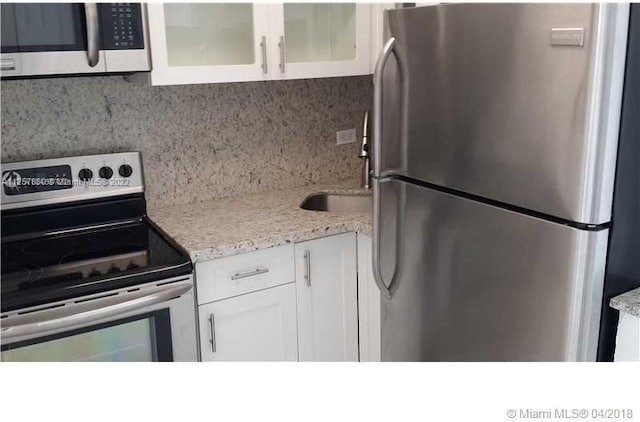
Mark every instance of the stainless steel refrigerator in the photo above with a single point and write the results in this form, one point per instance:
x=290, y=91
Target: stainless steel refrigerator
x=494, y=149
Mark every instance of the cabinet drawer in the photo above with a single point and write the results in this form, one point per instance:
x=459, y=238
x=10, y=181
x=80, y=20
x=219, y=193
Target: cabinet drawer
x=238, y=274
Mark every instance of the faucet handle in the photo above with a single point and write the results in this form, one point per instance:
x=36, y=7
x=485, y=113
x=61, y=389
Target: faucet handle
x=364, y=149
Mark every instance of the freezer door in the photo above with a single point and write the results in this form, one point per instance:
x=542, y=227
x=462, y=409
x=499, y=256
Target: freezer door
x=481, y=283
x=514, y=102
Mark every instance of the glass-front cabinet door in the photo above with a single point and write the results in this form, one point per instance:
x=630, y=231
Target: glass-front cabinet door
x=321, y=39
x=208, y=42
x=233, y=42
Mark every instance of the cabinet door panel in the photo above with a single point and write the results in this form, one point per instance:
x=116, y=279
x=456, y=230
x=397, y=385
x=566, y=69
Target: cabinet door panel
x=207, y=42
x=259, y=326
x=368, y=304
x=209, y=34
x=319, y=32
x=327, y=299
x=320, y=39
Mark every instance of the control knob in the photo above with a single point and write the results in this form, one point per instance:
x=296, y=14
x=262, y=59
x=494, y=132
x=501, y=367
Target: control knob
x=85, y=175
x=105, y=172
x=125, y=170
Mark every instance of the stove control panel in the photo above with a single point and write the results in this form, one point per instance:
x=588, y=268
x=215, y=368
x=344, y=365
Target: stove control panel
x=59, y=180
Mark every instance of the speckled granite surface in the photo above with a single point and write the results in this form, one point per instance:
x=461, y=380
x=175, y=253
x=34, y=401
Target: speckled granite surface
x=216, y=228
x=628, y=302
x=198, y=142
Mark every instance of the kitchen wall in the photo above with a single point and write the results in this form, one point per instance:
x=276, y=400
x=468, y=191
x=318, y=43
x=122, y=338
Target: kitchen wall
x=198, y=141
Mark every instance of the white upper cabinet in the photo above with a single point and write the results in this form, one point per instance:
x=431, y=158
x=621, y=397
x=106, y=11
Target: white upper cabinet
x=232, y=42
x=208, y=42
x=317, y=40
x=378, y=31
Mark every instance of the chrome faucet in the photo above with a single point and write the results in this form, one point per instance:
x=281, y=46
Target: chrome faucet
x=365, y=181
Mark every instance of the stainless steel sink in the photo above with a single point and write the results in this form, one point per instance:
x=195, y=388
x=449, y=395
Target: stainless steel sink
x=337, y=202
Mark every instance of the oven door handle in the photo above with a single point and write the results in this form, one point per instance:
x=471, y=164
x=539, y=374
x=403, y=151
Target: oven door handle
x=77, y=315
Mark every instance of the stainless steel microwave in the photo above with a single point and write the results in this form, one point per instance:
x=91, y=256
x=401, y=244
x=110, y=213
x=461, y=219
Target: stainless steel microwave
x=73, y=38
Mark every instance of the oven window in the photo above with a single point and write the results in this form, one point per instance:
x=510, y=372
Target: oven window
x=31, y=27
x=143, y=338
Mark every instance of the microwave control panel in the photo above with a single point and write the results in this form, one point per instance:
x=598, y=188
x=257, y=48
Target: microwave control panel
x=121, y=25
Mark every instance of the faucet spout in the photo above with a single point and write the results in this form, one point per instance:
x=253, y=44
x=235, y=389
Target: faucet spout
x=365, y=181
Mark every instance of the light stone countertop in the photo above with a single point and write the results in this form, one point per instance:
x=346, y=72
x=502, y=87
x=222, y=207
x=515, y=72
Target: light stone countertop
x=228, y=226
x=628, y=302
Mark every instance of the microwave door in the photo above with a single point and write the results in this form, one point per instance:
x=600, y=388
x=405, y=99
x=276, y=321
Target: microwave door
x=50, y=38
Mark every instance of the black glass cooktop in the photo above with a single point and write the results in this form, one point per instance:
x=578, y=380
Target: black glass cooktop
x=59, y=267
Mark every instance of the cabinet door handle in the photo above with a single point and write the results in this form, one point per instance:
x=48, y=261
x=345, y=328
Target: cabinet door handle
x=307, y=267
x=281, y=45
x=263, y=47
x=212, y=321
x=257, y=271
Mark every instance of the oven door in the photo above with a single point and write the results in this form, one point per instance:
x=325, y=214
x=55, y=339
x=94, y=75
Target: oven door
x=154, y=322
x=72, y=38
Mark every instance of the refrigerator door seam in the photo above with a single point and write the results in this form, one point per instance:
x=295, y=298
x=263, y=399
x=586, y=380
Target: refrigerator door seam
x=503, y=205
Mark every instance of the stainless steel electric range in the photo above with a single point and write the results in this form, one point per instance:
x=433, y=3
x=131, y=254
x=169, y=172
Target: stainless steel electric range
x=86, y=276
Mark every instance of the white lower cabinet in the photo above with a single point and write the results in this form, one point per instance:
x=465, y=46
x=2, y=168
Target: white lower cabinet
x=368, y=304
x=326, y=280
x=258, y=326
x=628, y=339
x=291, y=302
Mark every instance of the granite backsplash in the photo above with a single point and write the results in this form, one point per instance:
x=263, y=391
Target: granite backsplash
x=198, y=142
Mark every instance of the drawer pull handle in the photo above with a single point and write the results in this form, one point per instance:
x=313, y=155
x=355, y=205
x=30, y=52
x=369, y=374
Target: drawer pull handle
x=257, y=271
x=8, y=64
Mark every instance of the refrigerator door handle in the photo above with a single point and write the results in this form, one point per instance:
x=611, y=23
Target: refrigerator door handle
x=375, y=237
x=386, y=290
x=385, y=53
